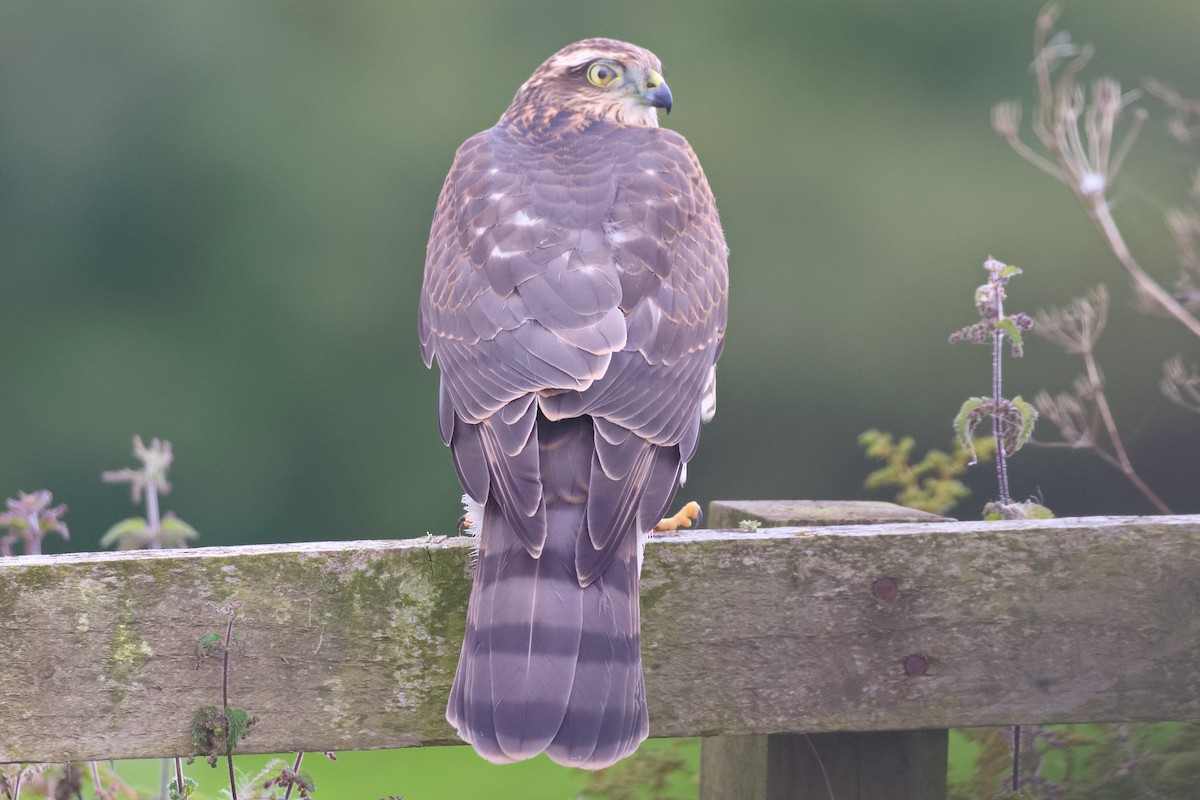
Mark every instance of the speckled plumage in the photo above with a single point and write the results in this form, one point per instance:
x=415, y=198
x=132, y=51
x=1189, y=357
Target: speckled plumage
x=575, y=301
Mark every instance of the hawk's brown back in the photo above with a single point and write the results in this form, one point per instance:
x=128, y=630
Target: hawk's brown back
x=558, y=245
x=575, y=300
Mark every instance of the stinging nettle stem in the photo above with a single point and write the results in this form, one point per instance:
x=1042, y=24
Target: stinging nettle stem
x=295, y=771
x=152, y=516
x=997, y=423
x=225, y=703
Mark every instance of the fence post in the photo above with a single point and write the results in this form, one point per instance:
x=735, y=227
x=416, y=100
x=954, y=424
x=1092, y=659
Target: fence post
x=899, y=765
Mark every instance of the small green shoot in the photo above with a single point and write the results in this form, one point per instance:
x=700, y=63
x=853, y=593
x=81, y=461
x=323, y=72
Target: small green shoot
x=174, y=792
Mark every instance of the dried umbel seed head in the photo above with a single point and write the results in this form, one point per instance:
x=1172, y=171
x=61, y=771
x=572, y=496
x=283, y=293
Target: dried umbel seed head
x=1075, y=327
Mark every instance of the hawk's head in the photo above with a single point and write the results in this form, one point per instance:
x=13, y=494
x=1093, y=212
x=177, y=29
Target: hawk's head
x=600, y=79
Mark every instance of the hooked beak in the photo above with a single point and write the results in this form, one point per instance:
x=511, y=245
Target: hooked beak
x=657, y=93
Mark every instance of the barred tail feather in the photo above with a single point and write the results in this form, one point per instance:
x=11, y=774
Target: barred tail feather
x=606, y=717
x=547, y=664
x=517, y=664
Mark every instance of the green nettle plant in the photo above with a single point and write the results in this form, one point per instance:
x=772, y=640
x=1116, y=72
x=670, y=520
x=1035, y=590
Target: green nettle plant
x=1012, y=420
x=216, y=730
x=933, y=484
x=150, y=480
x=28, y=519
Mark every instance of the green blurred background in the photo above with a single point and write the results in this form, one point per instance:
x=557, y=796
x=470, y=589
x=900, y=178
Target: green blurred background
x=213, y=218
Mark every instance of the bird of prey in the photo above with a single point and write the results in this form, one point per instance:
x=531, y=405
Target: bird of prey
x=575, y=301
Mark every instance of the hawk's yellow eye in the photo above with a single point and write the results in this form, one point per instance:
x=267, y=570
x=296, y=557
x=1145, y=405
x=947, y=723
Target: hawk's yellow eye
x=602, y=74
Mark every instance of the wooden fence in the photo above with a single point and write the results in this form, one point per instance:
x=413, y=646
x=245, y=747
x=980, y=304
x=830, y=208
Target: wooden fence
x=842, y=644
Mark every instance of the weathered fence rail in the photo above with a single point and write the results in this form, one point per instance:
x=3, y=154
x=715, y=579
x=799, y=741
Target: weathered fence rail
x=898, y=626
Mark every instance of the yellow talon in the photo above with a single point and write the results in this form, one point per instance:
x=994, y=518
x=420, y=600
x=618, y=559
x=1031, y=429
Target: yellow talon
x=683, y=519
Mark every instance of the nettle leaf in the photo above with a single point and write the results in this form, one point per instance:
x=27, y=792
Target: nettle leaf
x=176, y=532
x=1009, y=327
x=206, y=730
x=173, y=792
x=124, y=531
x=206, y=645
x=984, y=295
x=985, y=447
x=994, y=511
x=1009, y=271
x=966, y=420
x=215, y=732
x=306, y=782
x=1017, y=418
x=1028, y=416
x=239, y=726
x=1027, y=510
x=1036, y=510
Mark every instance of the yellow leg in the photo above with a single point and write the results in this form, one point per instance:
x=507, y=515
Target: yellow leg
x=683, y=519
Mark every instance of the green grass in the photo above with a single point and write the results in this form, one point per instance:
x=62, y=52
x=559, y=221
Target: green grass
x=430, y=773
x=456, y=773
